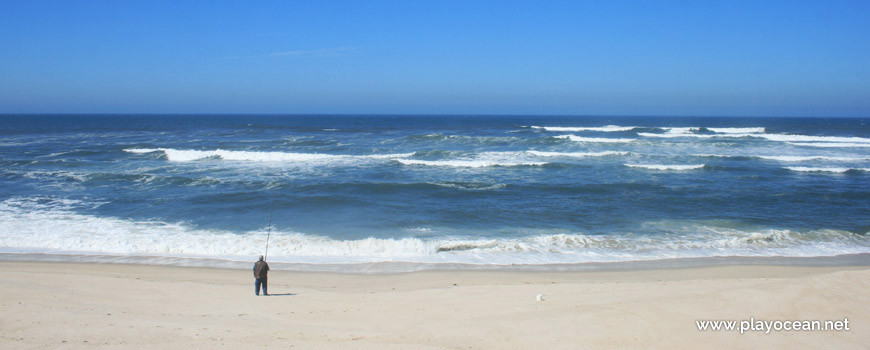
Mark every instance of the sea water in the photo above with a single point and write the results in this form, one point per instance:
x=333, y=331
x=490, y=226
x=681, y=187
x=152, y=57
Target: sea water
x=477, y=190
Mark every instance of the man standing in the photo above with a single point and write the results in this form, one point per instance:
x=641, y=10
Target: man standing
x=261, y=271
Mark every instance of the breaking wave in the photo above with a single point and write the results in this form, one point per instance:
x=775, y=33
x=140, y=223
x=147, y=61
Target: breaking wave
x=666, y=167
x=576, y=138
x=825, y=170
x=753, y=130
x=789, y=158
x=53, y=226
x=807, y=138
x=175, y=155
x=670, y=130
x=608, y=128
x=471, y=163
x=577, y=154
x=687, y=134
x=799, y=140
x=830, y=144
x=807, y=158
x=503, y=159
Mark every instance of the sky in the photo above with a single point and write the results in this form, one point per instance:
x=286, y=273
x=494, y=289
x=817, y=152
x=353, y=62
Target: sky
x=694, y=58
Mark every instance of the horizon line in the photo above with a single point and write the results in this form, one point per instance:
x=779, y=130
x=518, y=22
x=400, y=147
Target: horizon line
x=415, y=115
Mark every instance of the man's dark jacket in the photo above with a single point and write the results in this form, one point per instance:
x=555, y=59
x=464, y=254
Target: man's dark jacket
x=261, y=268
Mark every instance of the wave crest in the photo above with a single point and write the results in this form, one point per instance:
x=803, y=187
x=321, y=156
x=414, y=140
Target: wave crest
x=825, y=170
x=576, y=138
x=176, y=155
x=577, y=154
x=751, y=130
x=830, y=144
x=467, y=163
x=666, y=166
x=607, y=128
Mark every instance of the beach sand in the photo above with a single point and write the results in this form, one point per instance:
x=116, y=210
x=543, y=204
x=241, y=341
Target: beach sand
x=85, y=306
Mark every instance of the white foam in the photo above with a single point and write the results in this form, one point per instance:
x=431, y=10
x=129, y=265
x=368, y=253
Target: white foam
x=515, y=158
x=471, y=163
x=789, y=158
x=753, y=130
x=680, y=130
x=576, y=138
x=814, y=141
x=384, y=156
x=607, y=128
x=807, y=138
x=826, y=170
x=668, y=130
x=830, y=144
x=482, y=160
x=577, y=154
x=680, y=134
x=666, y=166
x=808, y=158
x=53, y=226
x=176, y=155
x=693, y=129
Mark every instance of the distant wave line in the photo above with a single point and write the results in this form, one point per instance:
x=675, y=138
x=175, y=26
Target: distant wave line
x=788, y=158
x=671, y=130
x=830, y=144
x=578, y=154
x=830, y=141
x=826, y=170
x=176, y=155
x=607, y=128
x=576, y=138
x=666, y=166
x=471, y=163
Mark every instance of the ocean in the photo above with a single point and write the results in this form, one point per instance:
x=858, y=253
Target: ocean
x=431, y=190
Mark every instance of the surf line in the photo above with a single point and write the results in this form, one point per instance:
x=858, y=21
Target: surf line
x=269, y=234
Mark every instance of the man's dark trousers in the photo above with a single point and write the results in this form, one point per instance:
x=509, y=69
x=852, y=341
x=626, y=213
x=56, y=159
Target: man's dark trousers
x=258, y=282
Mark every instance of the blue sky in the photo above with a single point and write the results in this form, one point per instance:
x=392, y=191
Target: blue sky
x=755, y=58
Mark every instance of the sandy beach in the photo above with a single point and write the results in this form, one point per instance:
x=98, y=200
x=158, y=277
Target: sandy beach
x=80, y=305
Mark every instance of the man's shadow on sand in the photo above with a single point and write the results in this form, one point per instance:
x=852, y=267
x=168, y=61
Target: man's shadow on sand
x=280, y=295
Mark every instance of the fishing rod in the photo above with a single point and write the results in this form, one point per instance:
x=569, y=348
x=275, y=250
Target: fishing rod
x=269, y=234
